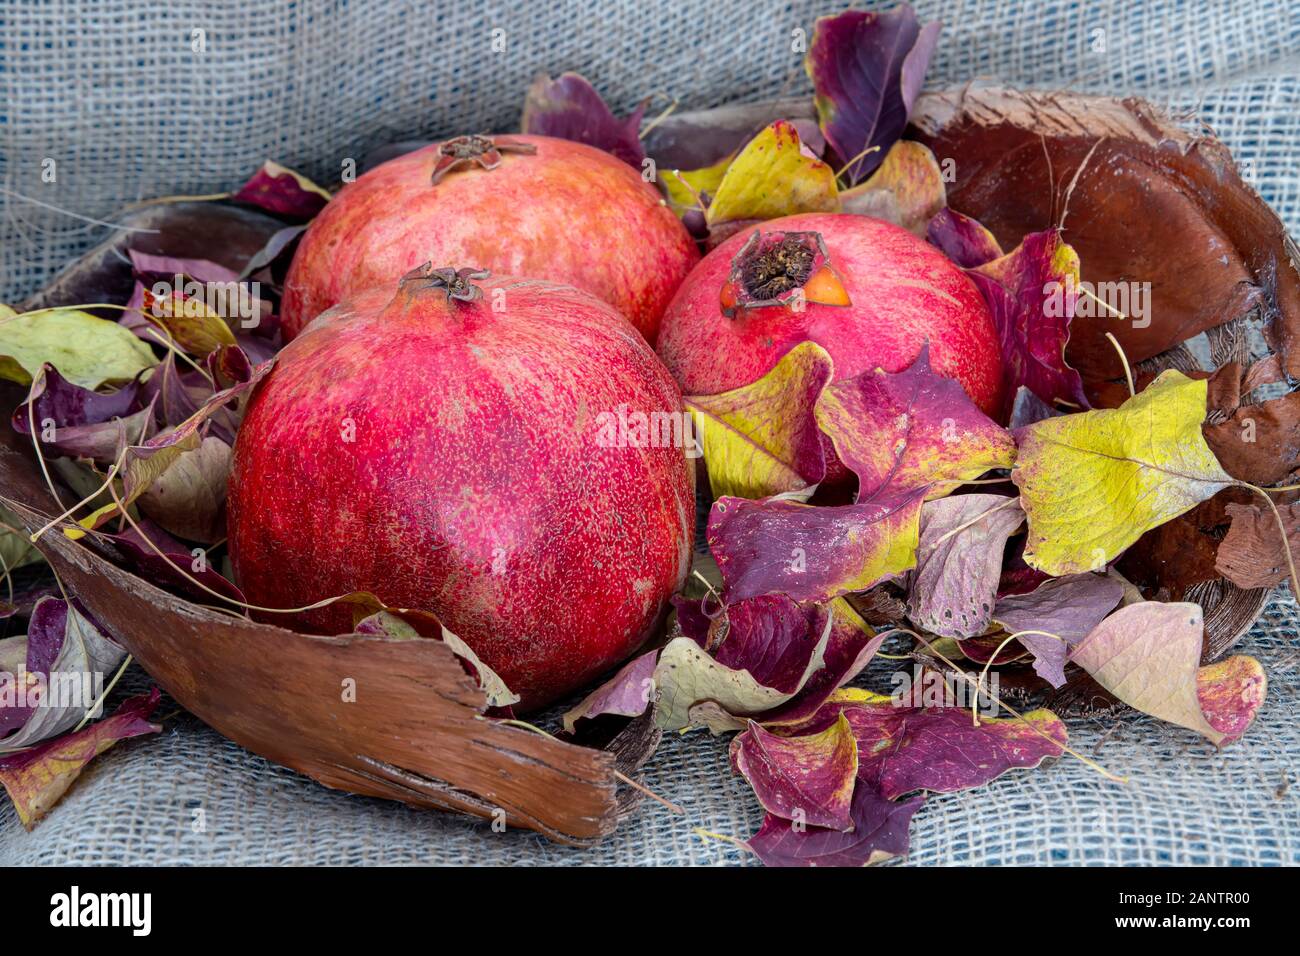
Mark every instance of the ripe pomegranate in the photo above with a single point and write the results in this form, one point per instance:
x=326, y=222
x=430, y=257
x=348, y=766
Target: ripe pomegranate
x=867, y=291
x=526, y=206
x=449, y=448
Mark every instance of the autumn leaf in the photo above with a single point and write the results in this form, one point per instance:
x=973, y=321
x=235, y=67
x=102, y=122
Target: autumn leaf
x=282, y=191
x=959, y=561
x=903, y=749
x=808, y=779
x=1068, y=607
x=1031, y=292
x=907, y=189
x=79, y=422
x=867, y=69
x=692, y=190
x=770, y=648
x=1252, y=554
x=762, y=439
x=775, y=175
x=962, y=239
x=811, y=553
x=1093, y=483
x=189, y=498
x=879, y=833
x=86, y=350
x=628, y=693
x=1230, y=693
x=190, y=324
x=569, y=107
x=37, y=778
x=1148, y=655
x=910, y=431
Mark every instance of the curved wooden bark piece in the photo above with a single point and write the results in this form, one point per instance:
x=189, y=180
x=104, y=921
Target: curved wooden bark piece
x=414, y=732
x=1152, y=203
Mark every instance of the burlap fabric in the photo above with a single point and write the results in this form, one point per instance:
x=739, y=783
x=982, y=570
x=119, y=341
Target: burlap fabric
x=118, y=95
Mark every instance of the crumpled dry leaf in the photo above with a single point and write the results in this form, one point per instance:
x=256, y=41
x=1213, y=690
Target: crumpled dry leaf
x=86, y=350
x=36, y=779
x=75, y=654
x=866, y=70
x=952, y=590
x=762, y=439
x=570, y=108
x=79, y=422
x=282, y=191
x=1069, y=607
x=770, y=648
x=807, y=779
x=1148, y=655
x=1252, y=554
x=1231, y=692
x=774, y=175
x=141, y=546
x=1092, y=483
x=907, y=189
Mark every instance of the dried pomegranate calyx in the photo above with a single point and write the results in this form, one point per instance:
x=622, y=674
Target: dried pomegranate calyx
x=781, y=268
x=454, y=283
x=483, y=151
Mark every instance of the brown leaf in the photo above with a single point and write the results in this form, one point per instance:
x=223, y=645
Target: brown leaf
x=1252, y=554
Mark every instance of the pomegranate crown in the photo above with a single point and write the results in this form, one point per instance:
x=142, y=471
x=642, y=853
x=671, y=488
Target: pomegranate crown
x=455, y=283
x=485, y=151
x=782, y=268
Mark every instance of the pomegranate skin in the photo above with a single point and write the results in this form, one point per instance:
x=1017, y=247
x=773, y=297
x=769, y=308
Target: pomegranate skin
x=569, y=213
x=902, y=290
x=475, y=485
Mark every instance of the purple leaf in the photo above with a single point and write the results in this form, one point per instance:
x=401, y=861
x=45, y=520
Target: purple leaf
x=570, y=108
x=79, y=422
x=880, y=831
x=808, y=779
x=159, y=571
x=959, y=561
x=628, y=693
x=1069, y=607
x=867, y=70
x=283, y=192
x=962, y=239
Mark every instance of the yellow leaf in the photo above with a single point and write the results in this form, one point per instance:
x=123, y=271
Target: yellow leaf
x=774, y=176
x=762, y=439
x=907, y=189
x=87, y=350
x=1093, y=483
x=195, y=328
x=687, y=188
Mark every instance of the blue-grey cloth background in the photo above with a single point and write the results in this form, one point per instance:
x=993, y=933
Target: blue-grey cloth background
x=135, y=99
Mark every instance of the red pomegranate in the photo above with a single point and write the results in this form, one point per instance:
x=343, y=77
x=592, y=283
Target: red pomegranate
x=525, y=206
x=463, y=447
x=867, y=291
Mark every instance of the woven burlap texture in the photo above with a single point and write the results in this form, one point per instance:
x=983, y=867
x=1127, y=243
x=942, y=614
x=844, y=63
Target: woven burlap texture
x=118, y=95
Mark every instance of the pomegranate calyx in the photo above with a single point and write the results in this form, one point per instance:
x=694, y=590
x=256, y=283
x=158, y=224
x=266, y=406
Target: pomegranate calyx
x=484, y=151
x=454, y=283
x=782, y=268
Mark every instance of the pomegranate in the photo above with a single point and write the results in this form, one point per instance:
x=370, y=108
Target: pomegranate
x=526, y=206
x=450, y=448
x=867, y=291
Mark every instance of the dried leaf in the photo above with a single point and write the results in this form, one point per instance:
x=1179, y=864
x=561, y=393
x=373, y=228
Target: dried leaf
x=866, y=70
x=283, y=192
x=907, y=189
x=142, y=550
x=628, y=693
x=36, y=779
x=1092, y=483
x=962, y=239
x=191, y=325
x=1230, y=693
x=1252, y=554
x=692, y=190
x=1032, y=292
x=1069, y=607
x=774, y=176
x=86, y=350
x=880, y=832
x=762, y=439
x=570, y=108
x=1147, y=655
x=808, y=779
x=952, y=590
x=811, y=553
